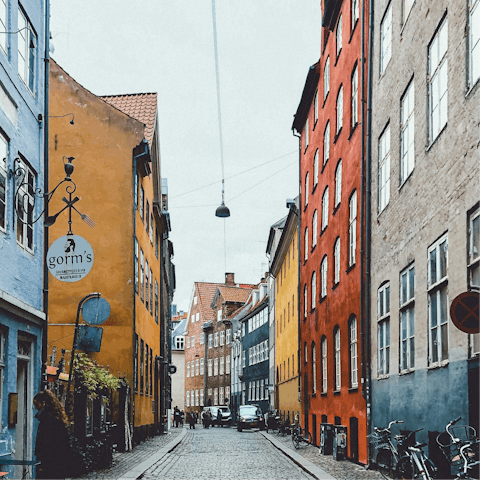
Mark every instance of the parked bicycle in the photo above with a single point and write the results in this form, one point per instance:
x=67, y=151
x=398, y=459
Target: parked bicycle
x=300, y=436
x=387, y=454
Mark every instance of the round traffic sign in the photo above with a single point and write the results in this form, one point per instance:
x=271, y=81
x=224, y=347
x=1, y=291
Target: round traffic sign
x=464, y=312
x=95, y=310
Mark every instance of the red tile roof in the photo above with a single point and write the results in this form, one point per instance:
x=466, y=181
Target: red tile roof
x=206, y=291
x=141, y=106
x=235, y=294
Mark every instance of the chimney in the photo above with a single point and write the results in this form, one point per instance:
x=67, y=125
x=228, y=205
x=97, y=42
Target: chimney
x=230, y=279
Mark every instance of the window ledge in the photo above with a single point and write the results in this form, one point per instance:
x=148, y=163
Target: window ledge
x=336, y=285
x=427, y=149
x=314, y=188
x=406, y=372
x=437, y=365
x=337, y=392
x=314, y=124
x=323, y=394
x=322, y=299
x=437, y=285
x=323, y=166
x=338, y=56
x=325, y=99
x=337, y=135
x=353, y=389
x=352, y=131
x=472, y=88
x=323, y=230
x=336, y=208
x=350, y=268
x=305, y=208
x=383, y=376
x=314, y=395
x=313, y=248
x=353, y=30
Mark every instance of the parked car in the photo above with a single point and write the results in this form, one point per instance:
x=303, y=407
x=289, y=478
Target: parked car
x=225, y=416
x=250, y=416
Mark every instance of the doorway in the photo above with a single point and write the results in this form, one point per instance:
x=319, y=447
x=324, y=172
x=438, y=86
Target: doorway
x=23, y=428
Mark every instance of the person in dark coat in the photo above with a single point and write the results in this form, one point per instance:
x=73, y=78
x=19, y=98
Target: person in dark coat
x=52, y=446
x=176, y=416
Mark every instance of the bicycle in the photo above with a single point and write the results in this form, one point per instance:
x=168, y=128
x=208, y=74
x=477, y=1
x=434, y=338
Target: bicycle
x=469, y=454
x=300, y=436
x=387, y=455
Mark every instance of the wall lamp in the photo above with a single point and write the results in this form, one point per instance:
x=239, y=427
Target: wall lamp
x=72, y=121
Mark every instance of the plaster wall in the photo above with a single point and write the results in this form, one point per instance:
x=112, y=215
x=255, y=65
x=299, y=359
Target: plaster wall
x=178, y=379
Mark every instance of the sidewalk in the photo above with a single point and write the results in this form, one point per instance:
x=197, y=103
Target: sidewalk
x=125, y=465
x=323, y=467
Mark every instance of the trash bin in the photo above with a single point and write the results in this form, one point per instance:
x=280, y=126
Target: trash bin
x=326, y=438
x=339, y=442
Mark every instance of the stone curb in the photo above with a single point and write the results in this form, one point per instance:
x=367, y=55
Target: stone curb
x=139, y=469
x=301, y=461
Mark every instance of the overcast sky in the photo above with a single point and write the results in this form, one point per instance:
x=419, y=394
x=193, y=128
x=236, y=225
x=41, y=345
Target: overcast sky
x=265, y=48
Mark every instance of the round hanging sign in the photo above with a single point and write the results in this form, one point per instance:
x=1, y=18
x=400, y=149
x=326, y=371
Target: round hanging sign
x=70, y=258
x=96, y=311
x=464, y=312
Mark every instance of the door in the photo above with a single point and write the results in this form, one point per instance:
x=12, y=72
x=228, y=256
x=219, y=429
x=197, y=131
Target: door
x=306, y=400
x=23, y=428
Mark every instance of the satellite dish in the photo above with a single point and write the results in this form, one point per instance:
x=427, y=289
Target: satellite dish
x=95, y=310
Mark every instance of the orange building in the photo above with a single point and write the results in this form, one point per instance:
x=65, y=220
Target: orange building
x=115, y=143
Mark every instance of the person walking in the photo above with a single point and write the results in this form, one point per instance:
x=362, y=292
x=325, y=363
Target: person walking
x=52, y=446
x=176, y=416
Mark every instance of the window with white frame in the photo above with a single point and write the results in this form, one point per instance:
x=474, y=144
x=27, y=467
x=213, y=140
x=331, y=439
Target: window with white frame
x=314, y=229
x=338, y=184
x=243, y=359
x=215, y=339
x=202, y=338
x=437, y=80
x=27, y=46
x=215, y=396
x=215, y=367
x=222, y=365
x=142, y=276
x=221, y=399
x=353, y=353
x=3, y=24
x=354, y=97
x=474, y=42
x=315, y=108
x=197, y=399
x=187, y=398
x=307, y=187
x=324, y=275
x=249, y=390
x=314, y=369
x=326, y=78
x=339, y=110
x=306, y=243
x=384, y=169
x=315, y=169
x=188, y=342
x=192, y=318
x=338, y=35
x=326, y=144
x=227, y=365
x=355, y=12
x=192, y=343
x=188, y=369
x=314, y=289
x=474, y=249
x=227, y=394
x=407, y=6
x=3, y=190
x=179, y=342
x=195, y=300
x=25, y=205
x=197, y=367
x=228, y=336
x=202, y=401
x=197, y=317
x=219, y=315
x=407, y=135
x=209, y=367
x=266, y=349
x=324, y=365
x=352, y=229
x=336, y=261
x=383, y=314
x=202, y=366
x=305, y=301
x=306, y=134
x=337, y=364
x=438, y=300
x=210, y=340
x=325, y=209
x=147, y=285
x=407, y=318
x=222, y=338
x=386, y=39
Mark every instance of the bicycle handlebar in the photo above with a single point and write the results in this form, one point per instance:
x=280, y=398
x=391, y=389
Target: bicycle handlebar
x=453, y=422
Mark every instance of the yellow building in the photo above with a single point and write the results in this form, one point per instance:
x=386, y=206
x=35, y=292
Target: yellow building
x=284, y=268
x=117, y=173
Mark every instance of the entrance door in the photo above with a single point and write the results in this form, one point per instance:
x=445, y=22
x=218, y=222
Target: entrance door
x=306, y=400
x=23, y=429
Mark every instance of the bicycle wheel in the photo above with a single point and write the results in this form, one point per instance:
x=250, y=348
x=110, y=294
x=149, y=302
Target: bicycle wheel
x=404, y=469
x=295, y=440
x=431, y=468
x=308, y=437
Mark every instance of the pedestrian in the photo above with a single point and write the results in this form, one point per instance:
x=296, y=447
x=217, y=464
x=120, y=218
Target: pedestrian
x=182, y=417
x=191, y=420
x=176, y=416
x=52, y=446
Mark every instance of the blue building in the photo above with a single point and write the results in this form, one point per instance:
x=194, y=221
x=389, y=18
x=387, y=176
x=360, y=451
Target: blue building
x=255, y=366
x=23, y=50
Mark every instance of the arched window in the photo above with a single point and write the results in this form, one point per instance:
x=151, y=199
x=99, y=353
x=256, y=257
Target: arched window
x=336, y=261
x=306, y=243
x=338, y=35
x=305, y=302
x=314, y=368
x=352, y=229
x=314, y=289
x=323, y=272
x=307, y=184
x=337, y=364
x=325, y=209
x=326, y=144
x=353, y=352
x=314, y=229
x=338, y=183
x=324, y=365
x=315, y=111
x=326, y=78
x=339, y=110
x=315, y=169
x=305, y=358
x=354, y=98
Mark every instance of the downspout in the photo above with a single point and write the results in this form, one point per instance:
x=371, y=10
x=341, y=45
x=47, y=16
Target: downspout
x=45, y=200
x=134, y=343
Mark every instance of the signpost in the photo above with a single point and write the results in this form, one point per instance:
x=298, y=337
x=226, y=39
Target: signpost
x=464, y=312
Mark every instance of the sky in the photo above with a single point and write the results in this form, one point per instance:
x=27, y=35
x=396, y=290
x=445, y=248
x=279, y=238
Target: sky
x=265, y=48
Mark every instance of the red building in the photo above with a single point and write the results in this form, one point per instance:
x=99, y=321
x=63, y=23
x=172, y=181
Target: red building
x=330, y=124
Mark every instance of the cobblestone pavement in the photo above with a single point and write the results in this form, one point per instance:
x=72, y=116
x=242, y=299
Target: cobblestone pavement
x=224, y=453
x=341, y=470
x=124, y=462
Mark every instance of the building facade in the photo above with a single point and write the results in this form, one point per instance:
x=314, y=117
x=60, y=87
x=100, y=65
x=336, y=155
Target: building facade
x=179, y=323
x=329, y=121
x=425, y=105
x=23, y=123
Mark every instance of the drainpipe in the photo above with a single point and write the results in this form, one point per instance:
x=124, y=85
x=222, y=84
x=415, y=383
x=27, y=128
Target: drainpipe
x=45, y=201
x=134, y=343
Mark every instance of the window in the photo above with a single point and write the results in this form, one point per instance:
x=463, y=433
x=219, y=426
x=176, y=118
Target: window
x=135, y=262
x=215, y=396
x=336, y=261
x=326, y=79
x=179, y=342
x=229, y=337
x=202, y=338
x=354, y=96
x=305, y=302
x=222, y=338
x=305, y=358
x=192, y=317
x=222, y=365
x=209, y=367
x=210, y=340
x=437, y=56
x=384, y=169
x=326, y=144
x=196, y=398
x=407, y=318
x=3, y=176
x=338, y=183
x=407, y=6
x=325, y=209
x=352, y=229
x=187, y=399
x=27, y=44
x=315, y=109
x=156, y=302
x=151, y=292
x=188, y=342
x=386, y=39
x=25, y=205
x=202, y=366
x=314, y=229
x=197, y=367
x=215, y=367
x=193, y=341
x=142, y=202
x=227, y=365
x=265, y=349
x=147, y=217
x=2, y=364
x=243, y=359
x=188, y=369
x=314, y=289
x=307, y=186
x=219, y=316
x=339, y=110
x=306, y=134
x=338, y=36
x=3, y=26
x=142, y=275
x=221, y=399
x=323, y=273
x=355, y=12
x=438, y=300
x=353, y=353
x=215, y=339
x=324, y=365
x=474, y=42
x=383, y=312
x=201, y=397
x=306, y=243
x=315, y=169
x=407, y=133
x=147, y=285
x=474, y=249
x=157, y=239
x=314, y=369
x=151, y=227
x=338, y=373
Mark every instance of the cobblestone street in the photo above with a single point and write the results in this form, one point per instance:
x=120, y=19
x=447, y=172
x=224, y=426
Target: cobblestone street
x=224, y=453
